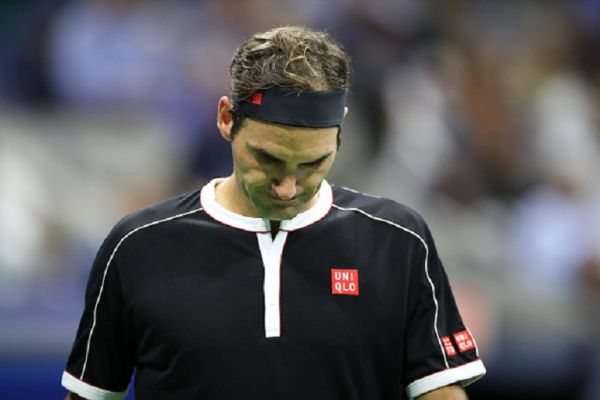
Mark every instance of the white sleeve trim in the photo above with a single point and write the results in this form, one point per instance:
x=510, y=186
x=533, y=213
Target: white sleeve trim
x=464, y=374
x=88, y=391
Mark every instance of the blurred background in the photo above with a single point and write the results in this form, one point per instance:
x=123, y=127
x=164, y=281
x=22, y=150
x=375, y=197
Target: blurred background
x=482, y=115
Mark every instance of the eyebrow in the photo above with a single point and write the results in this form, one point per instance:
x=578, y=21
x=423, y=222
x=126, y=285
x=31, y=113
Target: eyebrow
x=266, y=154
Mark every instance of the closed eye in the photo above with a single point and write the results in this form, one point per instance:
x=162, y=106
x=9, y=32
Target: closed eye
x=267, y=158
x=316, y=162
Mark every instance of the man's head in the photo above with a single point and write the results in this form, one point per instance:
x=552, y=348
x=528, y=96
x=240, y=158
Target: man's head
x=292, y=57
x=283, y=149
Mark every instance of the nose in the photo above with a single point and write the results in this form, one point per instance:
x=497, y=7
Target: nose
x=285, y=188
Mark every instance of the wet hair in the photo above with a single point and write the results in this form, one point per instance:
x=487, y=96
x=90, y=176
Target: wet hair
x=289, y=56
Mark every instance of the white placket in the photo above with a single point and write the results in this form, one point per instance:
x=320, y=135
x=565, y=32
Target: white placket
x=271, y=251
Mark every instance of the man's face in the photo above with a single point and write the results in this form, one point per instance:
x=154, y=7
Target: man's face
x=280, y=168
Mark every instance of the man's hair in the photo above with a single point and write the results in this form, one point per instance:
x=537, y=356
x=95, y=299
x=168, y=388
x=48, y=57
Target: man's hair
x=290, y=56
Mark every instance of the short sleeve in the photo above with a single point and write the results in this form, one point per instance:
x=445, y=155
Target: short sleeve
x=440, y=350
x=101, y=361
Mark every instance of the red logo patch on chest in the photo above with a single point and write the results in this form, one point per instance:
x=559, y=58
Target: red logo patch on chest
x=344, y=281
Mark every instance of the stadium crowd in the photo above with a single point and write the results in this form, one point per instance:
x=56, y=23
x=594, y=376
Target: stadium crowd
x=482, y=115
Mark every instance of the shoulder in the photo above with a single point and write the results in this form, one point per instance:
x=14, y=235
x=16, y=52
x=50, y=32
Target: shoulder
x=379, y=210
x=167, y=211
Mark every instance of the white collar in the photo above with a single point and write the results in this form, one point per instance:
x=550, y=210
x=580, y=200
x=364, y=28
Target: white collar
x=209, y=203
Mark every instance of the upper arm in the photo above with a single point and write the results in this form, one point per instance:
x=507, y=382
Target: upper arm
x=440, y=350
x=452, y=392
x=101, y=361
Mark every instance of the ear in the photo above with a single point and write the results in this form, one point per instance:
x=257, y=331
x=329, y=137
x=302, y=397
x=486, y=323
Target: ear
x=224, y=117
x=345, y=111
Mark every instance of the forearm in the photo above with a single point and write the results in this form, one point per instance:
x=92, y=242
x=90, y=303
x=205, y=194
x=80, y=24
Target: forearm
x=452, y=392
x=73, y=396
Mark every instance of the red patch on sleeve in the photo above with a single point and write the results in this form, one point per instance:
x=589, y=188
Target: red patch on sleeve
x=464, y=341
x=448, y=346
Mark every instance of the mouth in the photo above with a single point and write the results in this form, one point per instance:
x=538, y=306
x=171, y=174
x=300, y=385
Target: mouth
x=277, y=200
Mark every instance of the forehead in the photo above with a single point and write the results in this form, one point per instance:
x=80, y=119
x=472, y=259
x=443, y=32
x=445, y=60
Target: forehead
x=288, y=141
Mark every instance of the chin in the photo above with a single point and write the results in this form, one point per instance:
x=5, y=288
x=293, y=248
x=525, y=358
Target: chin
x=282, y=214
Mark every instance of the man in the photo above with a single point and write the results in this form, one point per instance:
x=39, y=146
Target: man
x=270, y=283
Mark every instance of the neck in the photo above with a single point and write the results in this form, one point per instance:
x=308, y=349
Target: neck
x=227, y=191
x=230, y=196
x=274, y=227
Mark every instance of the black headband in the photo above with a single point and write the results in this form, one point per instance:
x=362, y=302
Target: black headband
x=289, y=106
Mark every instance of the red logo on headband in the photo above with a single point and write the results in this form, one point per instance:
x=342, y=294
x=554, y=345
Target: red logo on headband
x=256, y=98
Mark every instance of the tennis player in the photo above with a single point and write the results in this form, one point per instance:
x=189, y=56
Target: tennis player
x=272, y=283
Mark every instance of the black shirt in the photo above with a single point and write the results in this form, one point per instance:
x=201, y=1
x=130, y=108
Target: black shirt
x=348, y=301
